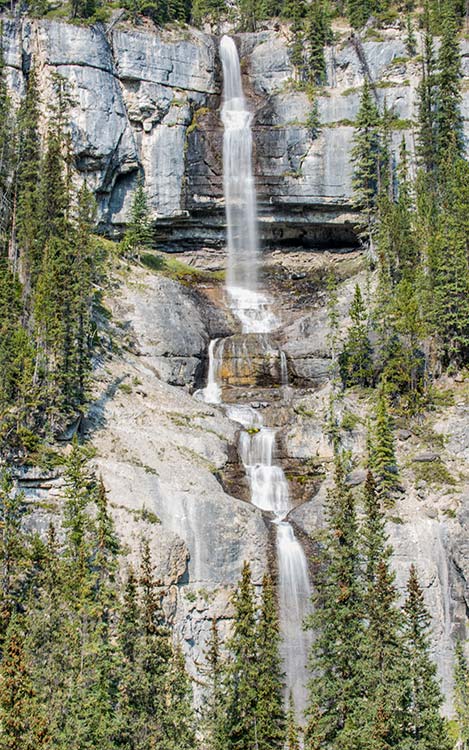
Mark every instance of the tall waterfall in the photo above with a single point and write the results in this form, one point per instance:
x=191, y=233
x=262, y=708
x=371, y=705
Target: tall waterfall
x=257, y=444
x=250, y=306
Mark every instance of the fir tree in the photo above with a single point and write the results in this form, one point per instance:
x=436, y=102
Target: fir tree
x=425, y=728
x=358, y=12
x=14, y=554
x=427, y=133
x=293, y=738
x=366, y=153
x=449, y=119
x=214, y=713
x=28, y=180
x=270, y=716
x=335, y=688
x=380, y=715
x=22, y=719
x=318, y=33
x=356, y=364
x=243, y=669
x=383, y=459
x=139, y=233
x=461, y=695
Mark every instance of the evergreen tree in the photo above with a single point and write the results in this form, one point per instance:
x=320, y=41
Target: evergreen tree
x=461, y=695
x=448, y=266
x=366, y=154
x=383, y=458
x=410, y=40
x=270, y=716
x=425, y=728
x=214, y=713
x=14, y=554
x=381, y=712
x=449, y=119
x=23, y=723
x=318, y=33
x=293, y=739
x=243, y=669
x=139, y=233
x=358, y=12
x=427, y=133
x=296, y=11
x=335, y=688
x=28, y=227
x=356, y=366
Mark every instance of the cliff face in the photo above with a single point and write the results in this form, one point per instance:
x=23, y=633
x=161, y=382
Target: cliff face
x=151, y=99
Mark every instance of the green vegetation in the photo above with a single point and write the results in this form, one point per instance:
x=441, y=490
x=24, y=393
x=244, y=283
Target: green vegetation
x=381, y=689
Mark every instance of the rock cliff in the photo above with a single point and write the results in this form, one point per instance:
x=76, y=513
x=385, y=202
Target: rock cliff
x=146, y=99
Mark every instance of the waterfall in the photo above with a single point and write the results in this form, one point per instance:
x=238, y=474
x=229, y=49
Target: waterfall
x=269, y=492
x=211, y=394
x=294, y=593
x=257, y=443
x=250, y=306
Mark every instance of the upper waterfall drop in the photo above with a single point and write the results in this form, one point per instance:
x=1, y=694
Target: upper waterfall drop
x=250, y=306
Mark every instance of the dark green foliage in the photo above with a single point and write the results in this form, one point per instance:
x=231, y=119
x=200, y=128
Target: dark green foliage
x=318, y=34
x=139, y=235
x=366, y=152
x=356, y=366
x=382, y=457
x=270, y=716
x=293, y=739
x=243, y=669
x=449, y=119
x=338, y=625
x=425, y=728
x=79, y=668
x=22, y=719
x=28, y=181
x=448, y=265
x=358, y=12
x=14, y=552
x=381, y=715
x=214, y=712
x=427, y=124
x=461, y=695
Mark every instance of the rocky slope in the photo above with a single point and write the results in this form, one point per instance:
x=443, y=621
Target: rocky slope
x=150, y=99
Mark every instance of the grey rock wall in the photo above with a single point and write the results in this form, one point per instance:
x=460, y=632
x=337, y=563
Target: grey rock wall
x=149, y=100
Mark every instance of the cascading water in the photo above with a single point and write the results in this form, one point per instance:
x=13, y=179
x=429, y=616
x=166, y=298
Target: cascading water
x=269, y=492
x=257, y=444
x=251, y=307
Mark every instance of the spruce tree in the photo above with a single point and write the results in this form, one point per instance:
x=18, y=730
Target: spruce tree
x=139, y=233
x=270, y=715
x=318, y=33
x=425, y=728
x=293, y=738
x=335, y=688
x=28, y=180
x=14, y=553
x=22, y=720
x=383, y=458
x=356, y=366
x=461, y=695
x=358, y=12
x=380, y=714
x=366, y=154
x=449, y=119
x=215, y=695
x=243, y=669
x=427, y=131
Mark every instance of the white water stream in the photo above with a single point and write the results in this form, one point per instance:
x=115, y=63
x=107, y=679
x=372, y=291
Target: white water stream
x=257, y=443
